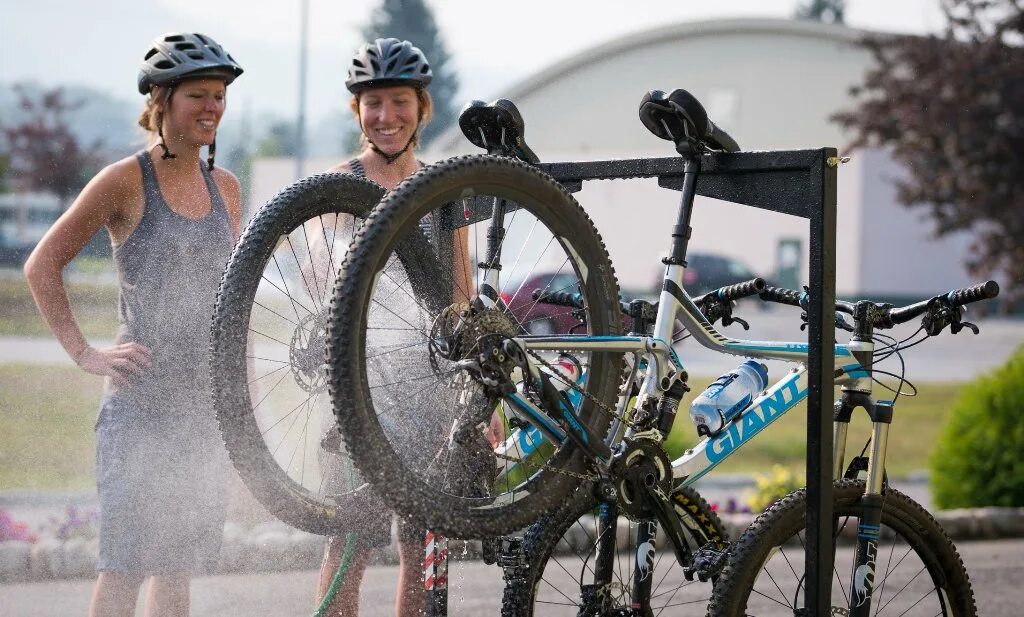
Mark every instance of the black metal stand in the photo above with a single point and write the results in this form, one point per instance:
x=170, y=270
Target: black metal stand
x=801, y=183
x=796, y=182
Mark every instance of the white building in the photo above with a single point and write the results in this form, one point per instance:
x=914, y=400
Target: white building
x=772, y=84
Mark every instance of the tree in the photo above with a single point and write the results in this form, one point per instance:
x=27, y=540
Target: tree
x=413, y=21
x=827, y=11
x=950, y=108
x=45, y=155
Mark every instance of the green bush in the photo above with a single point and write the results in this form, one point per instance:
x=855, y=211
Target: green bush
x=774, y=486
x=979, y=457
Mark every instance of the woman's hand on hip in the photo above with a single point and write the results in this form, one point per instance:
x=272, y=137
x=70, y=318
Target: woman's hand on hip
x=119, y=362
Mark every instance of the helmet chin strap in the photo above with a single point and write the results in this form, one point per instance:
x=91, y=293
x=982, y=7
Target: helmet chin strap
x=390, y=158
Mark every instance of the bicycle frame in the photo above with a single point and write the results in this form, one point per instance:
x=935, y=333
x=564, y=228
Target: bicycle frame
x=662, y=363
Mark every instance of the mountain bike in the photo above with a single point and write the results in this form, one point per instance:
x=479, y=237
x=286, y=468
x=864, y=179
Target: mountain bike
x=558, y=565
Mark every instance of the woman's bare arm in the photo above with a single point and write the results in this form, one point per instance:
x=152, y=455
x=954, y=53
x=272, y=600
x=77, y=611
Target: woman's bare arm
x=101, y=203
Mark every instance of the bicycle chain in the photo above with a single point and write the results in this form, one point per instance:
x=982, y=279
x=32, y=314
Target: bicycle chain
x=602, y=406
x=557, y=374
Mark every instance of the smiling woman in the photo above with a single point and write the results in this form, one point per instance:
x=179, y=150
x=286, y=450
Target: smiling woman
x=160, y=468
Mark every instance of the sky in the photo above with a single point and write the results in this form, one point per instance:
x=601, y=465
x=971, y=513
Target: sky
x=99, y=43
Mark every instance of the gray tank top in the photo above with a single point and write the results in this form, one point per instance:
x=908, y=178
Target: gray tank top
x=169, y=270
x=360, y=172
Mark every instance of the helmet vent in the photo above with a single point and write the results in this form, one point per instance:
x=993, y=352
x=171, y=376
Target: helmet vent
x=184, y=46
x=391, y=65
x=175, y=38
x=150, y=54
x=164, y=64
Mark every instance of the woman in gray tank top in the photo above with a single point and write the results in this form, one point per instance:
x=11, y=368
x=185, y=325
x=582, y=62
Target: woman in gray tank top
x=172, y=218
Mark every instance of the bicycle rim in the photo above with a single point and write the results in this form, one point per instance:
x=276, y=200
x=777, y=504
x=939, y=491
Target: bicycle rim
x=397, y=349
x=269, y=342
x=917, y=570
x=564, y=555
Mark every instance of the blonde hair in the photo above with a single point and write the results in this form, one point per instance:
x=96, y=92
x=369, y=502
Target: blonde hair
x=152, y=116
x=426, y=111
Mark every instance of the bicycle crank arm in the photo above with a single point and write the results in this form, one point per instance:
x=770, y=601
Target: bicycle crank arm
x=660, y=504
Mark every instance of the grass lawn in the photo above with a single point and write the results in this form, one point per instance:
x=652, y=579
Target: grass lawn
x=916, y=424
x=94, y=305
x=47, y=440
x=47, y=415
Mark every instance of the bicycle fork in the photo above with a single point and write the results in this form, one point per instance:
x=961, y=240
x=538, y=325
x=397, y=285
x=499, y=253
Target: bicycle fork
x=864, y=564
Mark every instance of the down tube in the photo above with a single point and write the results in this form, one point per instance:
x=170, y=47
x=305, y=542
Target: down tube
x=767, y=408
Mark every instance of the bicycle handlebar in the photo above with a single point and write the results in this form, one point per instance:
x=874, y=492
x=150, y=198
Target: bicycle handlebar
x=955, y=298
x=559, y=298
x=722, y=295
x=887, y=316
x=735, y=292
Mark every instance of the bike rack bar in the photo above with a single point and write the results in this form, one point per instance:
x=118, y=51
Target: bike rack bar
x=796, y=182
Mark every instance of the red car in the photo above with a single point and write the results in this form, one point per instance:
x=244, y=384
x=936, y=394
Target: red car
x=535, y=317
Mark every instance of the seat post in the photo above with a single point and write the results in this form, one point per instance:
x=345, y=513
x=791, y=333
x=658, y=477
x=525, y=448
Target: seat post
x=681, y=230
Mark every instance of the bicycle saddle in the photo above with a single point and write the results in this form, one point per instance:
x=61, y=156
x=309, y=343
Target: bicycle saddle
x=679, y=117
x=496, y=127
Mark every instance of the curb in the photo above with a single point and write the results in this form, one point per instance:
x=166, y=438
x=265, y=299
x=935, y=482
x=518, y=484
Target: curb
x=275, y=547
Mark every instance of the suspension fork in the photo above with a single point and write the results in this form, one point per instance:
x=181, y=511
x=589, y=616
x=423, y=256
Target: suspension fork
x=864, y=564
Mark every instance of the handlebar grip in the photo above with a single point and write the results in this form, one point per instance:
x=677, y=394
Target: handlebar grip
x=741, y=290
x=982, y=291
x=782, y=296
x=559, y=298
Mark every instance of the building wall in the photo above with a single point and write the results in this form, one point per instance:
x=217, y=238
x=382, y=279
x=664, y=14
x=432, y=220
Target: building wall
x=772, y=84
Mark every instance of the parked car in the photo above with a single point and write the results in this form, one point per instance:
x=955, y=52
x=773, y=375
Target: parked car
x=706, y=272
x=538, y=318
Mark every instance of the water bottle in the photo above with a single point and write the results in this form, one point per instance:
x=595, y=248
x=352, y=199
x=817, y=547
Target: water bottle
x=727, y=396
x=526, y=449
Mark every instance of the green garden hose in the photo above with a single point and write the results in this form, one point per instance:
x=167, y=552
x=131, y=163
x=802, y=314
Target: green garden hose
x=339, y=576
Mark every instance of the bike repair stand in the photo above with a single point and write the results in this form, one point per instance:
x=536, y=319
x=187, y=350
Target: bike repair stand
x=796, y=182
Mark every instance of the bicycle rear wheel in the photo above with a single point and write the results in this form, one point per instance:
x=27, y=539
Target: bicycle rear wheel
x=561, y=552
x=268, y=344
x=917, y=570
x=404, y=438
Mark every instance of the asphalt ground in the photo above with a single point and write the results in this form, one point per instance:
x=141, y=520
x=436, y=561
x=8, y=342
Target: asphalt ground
x=996, y=568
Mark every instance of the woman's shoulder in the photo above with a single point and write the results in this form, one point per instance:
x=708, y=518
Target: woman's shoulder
x=226, y=179
x=343, y=167
x=122, y=171
x=121, y=178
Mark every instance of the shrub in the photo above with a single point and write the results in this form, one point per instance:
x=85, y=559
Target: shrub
x=774, y=486
x=979, y=457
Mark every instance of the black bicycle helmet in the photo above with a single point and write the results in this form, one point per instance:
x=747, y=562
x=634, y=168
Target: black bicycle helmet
x=175, y=57
x=388, y=62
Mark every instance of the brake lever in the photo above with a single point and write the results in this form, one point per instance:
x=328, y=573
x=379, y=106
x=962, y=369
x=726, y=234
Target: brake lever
x=956, y=327
x=728, y=320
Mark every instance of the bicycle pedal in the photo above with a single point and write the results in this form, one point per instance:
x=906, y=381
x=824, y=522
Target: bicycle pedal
x=707, y=563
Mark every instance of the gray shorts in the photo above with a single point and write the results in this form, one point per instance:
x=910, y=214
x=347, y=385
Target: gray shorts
x=162, y=488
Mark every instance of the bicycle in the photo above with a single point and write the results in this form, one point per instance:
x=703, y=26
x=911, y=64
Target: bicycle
x=530, y=582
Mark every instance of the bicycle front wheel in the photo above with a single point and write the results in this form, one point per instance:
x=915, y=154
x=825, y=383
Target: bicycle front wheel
x=268, y=342
x=917, y=569
x=404, y=432
x=561, y=557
